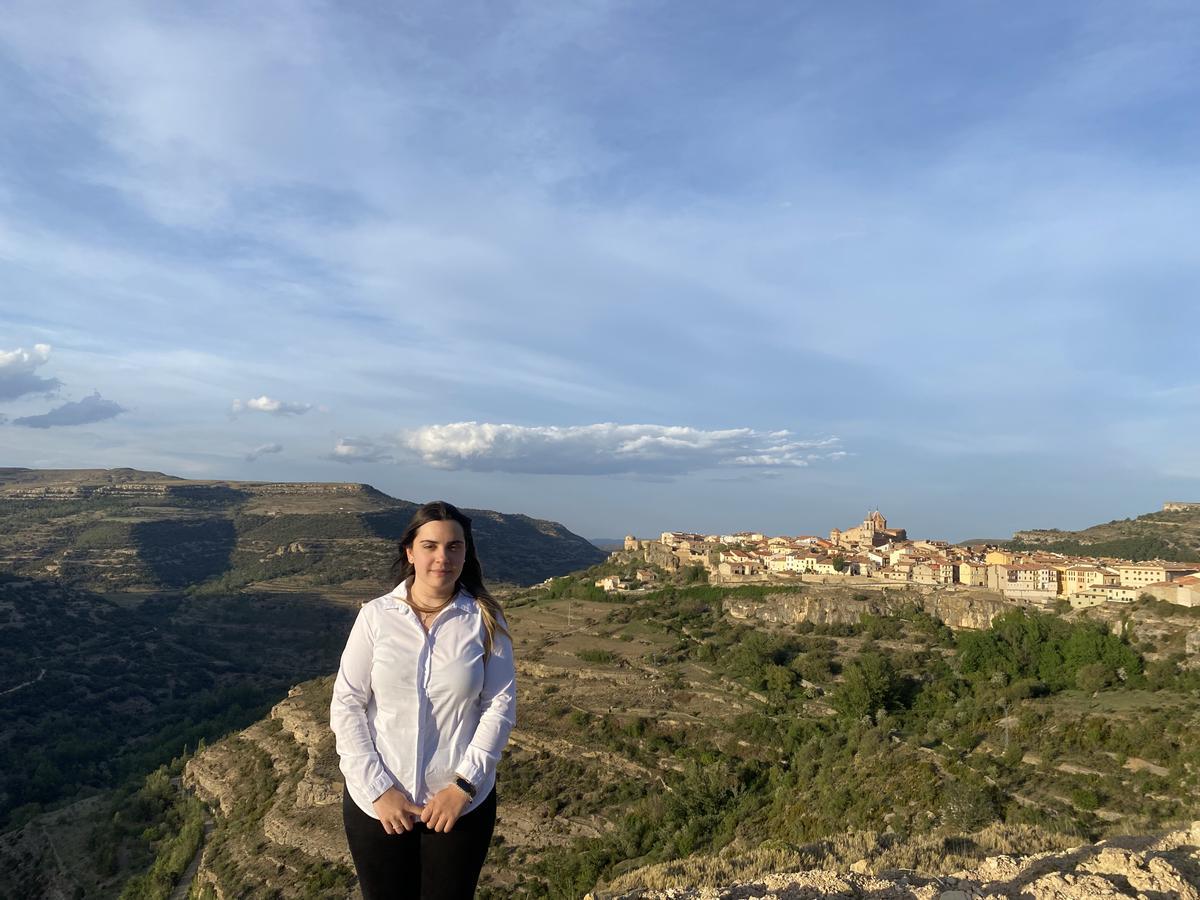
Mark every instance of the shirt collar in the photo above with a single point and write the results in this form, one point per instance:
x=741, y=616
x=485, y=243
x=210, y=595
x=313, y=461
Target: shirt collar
x=395, y=599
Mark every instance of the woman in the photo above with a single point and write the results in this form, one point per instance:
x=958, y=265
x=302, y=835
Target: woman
x=422, y=707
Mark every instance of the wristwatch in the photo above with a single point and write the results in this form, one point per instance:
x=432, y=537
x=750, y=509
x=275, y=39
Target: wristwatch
x=465, y=786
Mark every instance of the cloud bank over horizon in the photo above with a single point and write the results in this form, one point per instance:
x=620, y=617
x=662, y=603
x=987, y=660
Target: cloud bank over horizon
x=608, y=448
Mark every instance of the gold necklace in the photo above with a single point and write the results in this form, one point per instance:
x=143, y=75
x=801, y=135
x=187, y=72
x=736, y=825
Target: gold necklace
x=426, y=610
x=423, y=611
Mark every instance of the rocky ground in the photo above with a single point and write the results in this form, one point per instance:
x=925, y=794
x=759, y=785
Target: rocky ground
x=1163, y=868
x=273, y=787
x=276, y=790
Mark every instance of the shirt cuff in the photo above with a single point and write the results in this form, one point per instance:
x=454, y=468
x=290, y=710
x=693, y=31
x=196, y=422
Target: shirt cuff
x=471, y=770
x=379, y=787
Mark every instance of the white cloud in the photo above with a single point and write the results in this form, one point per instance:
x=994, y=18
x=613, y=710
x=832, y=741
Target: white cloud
x=80, y=412
x=270, y=405
x=352, y=450
x=17, y=378
x=607, y=448
x=263, y=450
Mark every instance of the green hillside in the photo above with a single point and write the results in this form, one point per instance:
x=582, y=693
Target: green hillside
x=1169, y=535
x=95, y=692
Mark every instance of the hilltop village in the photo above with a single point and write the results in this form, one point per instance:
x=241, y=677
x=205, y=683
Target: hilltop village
x=875, y=553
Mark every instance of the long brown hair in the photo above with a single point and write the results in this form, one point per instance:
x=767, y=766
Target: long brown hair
x=471, y=579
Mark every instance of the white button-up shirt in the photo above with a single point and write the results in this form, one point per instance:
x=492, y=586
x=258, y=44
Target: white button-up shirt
x=411, y=710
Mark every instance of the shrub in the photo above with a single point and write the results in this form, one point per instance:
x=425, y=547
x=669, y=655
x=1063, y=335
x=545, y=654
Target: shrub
x=1094, y=677
x=594, y=655
x=1085, y=798
x=969, y=805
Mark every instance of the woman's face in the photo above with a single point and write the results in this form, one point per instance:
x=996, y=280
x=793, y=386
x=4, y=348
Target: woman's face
x=438, y=553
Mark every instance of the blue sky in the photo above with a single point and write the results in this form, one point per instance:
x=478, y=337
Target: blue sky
x=630, y=266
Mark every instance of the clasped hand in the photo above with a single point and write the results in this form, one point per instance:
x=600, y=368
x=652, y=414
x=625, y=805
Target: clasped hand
x=398, y=814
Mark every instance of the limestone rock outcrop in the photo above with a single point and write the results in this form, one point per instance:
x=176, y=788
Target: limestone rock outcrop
x=957, y=610
x=1138, y=867
x=278, y=792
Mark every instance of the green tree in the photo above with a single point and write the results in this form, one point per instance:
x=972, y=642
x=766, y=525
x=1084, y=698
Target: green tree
x=779, y=680
x=869, y=683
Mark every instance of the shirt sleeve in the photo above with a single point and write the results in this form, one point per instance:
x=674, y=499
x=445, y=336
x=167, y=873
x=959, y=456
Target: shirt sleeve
x=498, y=712
x=358, y=758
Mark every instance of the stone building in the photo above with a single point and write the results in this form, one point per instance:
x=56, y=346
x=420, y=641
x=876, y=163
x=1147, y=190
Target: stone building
x=1024, y=581
x=873, y=532
x=1182, y=591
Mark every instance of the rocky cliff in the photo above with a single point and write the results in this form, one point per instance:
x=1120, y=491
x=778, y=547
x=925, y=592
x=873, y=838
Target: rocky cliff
x=1161, y=630
x=958, y=609
x=276, y=791
x=1148, y=868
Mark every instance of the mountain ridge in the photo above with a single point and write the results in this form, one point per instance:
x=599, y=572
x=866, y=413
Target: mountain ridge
x=1168, y=534
x=124, y=529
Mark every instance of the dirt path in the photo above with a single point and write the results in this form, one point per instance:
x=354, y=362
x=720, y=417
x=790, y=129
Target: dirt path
x=62, y=867
x=41, y=675
x=189, y=874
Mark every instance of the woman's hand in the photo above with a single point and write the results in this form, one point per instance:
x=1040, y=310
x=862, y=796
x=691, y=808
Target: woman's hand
x=443, y=810
x=396, y=812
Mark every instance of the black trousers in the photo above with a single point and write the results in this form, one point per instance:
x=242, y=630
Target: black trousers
x=420, y=864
